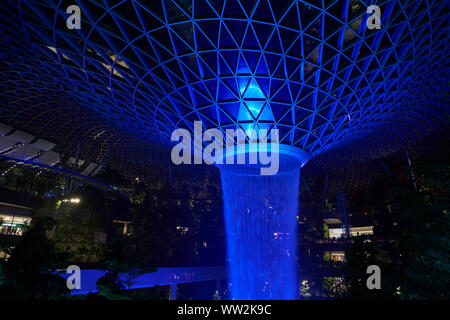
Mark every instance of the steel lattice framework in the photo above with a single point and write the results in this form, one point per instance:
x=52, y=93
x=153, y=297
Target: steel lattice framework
x=137, y=70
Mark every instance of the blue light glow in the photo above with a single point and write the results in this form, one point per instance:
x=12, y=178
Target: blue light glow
x=260, y=218
x=134, y=73
x=254, y=107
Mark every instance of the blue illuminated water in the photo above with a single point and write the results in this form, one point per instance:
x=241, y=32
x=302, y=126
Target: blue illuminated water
x=260, y=220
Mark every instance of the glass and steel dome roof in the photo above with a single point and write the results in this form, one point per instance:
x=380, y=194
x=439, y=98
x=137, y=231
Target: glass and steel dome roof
x=136, y=71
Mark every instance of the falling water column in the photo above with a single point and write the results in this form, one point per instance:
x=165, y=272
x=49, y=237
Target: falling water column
x=261, y=229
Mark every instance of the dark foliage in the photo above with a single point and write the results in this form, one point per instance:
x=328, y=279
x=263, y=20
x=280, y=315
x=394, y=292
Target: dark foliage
x=27, y=274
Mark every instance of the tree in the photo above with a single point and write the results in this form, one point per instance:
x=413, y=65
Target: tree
x=27, y=273
x=415, y=231
x=424, y=232
x=79, y=226
x=362, y=254
x=125, y=259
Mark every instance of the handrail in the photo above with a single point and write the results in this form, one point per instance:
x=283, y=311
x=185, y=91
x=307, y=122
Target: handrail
x=161, y=277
